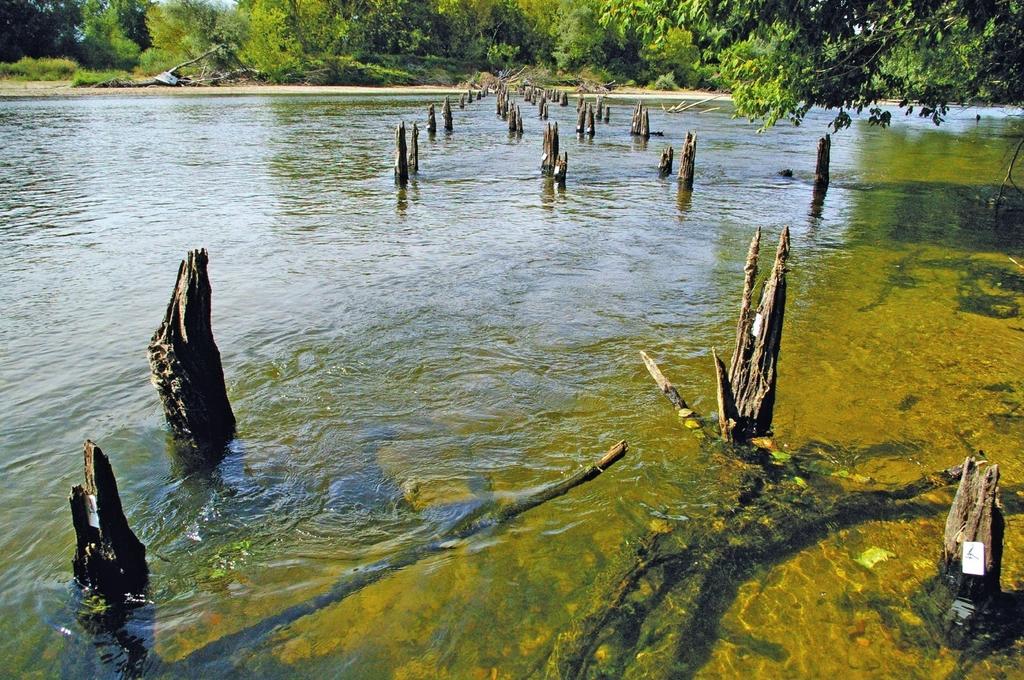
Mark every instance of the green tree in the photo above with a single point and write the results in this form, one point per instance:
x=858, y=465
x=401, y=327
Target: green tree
x=104, y=42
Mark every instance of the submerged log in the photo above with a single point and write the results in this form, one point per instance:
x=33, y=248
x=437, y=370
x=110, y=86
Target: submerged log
x=446, y=113
x=665, y=165
x=677, y=585
x=401, y=156
x=109, y=558
x=185, y=364
x=413, y=163
x=687, y=162
x=431, y=120
x=487, y=516
x=821, y=171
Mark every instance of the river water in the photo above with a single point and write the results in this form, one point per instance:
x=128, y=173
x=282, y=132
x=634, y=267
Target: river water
x=393, y=356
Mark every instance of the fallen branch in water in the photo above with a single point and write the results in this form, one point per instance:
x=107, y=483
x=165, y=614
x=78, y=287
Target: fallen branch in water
x=488, y=515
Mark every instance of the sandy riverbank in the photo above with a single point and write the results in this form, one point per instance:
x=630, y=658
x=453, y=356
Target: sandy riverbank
x=12, y=88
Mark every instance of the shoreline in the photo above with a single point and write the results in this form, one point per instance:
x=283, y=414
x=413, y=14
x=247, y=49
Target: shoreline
x=14, y=89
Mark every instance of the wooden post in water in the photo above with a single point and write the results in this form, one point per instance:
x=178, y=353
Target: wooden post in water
x=550, y=155
x=634, y=122
x=462, y=101
x=600, y=107
x=185, y=364
x=590, y=121
x=564, y=99
x=109, y=558
x=607, y=113
x=431, y=120
x=665, y=166
x=581, y=121
x=687, y=162
x=821, y=174
x=413, y=164
x=446, y=113
x=645, y=124
x=401, y=156
x=975, y=517
x=579, y=103
x=544, y=115
x=561, y=169
x=746, y=395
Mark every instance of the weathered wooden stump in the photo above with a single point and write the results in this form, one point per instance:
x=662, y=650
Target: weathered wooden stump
x=446, y=113
x=413, y=163
x=972, y=545
x=687, y=162
x=581, y=120
x=590, y=121
x=821, y=174
x=462, y=101
x=645, y=124
x=550, y=150
x=431, y=120
x=561, y=169
x=564, y=99
x=665, y=165
x=109, y=558
x=579, y=103
x=600, y=107
x=746, y=395
x=401, y=156
x=544, y=115
x=186, y=367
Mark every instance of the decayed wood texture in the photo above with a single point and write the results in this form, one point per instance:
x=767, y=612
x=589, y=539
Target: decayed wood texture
x=821, y=171
x=413, y=163
x=109, y=558
x=752, y=383
x=401, y=156
x=665, y=165
x=488, y=515
x=665, y=386
x=590, y=121
x=686, y=163
x=561, y=168
x=185, y=364
x=975, y=516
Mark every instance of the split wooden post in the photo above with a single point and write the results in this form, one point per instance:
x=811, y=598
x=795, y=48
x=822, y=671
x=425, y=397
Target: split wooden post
x=413, y=163
x=821, y=172
x=746, y=395
x=185, y=364
x=687, y=162
x=665, y=166
x=446, y=113
x=590, y=121
x=109, y=558
x=550, y=155
x=401, y=156
x=431, y=120
x=973, y=539
x=645, y=124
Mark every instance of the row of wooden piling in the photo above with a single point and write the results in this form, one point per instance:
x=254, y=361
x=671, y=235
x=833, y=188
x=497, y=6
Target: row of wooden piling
x=588, y=114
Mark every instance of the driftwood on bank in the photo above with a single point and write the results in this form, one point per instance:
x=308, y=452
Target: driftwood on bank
x=688, y=160
x=186, y=367
x=109, y=558
x=487, y=516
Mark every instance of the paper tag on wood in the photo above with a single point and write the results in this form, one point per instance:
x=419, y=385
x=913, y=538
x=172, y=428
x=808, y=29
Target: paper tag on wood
x=94, y=515
x=974, y=558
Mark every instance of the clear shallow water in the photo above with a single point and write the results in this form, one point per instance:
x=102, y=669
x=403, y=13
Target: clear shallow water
x=477, y=332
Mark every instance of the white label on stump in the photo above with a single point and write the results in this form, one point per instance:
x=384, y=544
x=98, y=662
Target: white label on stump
x=94, y=515
x=974, y=558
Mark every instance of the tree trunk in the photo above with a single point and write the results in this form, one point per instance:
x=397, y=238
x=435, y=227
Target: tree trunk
x=186, y=367
x=109, y=558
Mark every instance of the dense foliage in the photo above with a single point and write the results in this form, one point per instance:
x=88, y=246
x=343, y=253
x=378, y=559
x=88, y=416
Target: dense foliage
x=779, y=57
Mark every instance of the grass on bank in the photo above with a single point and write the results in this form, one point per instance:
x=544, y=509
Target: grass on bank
x=55, y=69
